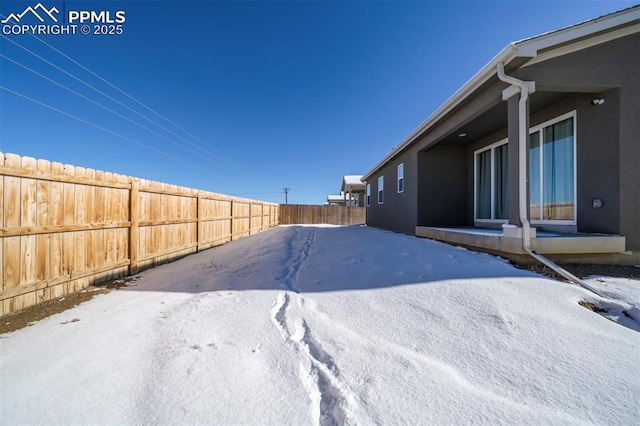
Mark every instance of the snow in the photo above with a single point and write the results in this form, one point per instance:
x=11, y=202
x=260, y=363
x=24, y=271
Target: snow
x=623, y=299
x=324, y=325
x=353, y=180
x=341, y=197
x=352, y=183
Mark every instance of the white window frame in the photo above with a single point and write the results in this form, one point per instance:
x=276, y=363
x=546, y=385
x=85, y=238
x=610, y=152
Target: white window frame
x=368, y=194
x=491, y=147
x=539, y=128
x=381, y=189
x=400, y=178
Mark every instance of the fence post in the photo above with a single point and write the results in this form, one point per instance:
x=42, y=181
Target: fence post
x=133, y=229
x=199, y=231
x=231, y=221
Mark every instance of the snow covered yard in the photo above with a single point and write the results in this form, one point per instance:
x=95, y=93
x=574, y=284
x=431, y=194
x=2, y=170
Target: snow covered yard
x=324, y=325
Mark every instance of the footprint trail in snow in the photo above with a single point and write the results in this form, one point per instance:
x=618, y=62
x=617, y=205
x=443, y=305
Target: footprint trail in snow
x=332, y=402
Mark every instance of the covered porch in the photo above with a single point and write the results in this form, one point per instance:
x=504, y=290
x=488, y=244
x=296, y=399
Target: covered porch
x=353, y=190
x=469, y=179
x=568, y=246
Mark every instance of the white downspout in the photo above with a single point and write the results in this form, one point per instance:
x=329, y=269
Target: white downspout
x=523, y=133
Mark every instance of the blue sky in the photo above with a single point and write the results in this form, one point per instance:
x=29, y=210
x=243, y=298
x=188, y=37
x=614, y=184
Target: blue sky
x=277, y=94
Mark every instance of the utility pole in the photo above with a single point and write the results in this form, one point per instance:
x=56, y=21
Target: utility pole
x=286, y=194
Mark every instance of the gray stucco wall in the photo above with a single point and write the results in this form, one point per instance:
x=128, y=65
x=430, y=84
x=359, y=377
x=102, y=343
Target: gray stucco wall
x=399, y=210
x=439, y=178
x=608, y=134
x=597, y=158
x=443, y=200
x=599, y=164
x=403, y=212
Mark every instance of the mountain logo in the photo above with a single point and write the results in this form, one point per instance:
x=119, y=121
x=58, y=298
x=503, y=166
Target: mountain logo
x=38, y=11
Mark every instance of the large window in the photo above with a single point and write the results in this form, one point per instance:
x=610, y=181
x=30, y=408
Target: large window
x=400, y=178
x=368, y=194
x=491, y=192
x=381, y=190
x=552, y=170
x=552, y=175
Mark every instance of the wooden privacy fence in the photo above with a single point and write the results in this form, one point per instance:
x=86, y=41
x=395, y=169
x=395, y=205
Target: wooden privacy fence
x=291, y=214
x=64, y=227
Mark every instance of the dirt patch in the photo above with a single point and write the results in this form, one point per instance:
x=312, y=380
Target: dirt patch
x=33, y=314
x=590, y=306
x=585, y=270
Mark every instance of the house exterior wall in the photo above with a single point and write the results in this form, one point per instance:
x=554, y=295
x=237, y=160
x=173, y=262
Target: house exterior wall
x=358, y=199
x=399, y=211
x=597, y=159
x=404, y=216
x=442, y=183
x=439, y=178
x=608, y=134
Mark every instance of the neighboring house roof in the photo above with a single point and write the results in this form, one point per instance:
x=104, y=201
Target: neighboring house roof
x=354, y=181
x=534, y=49
x=338, y=198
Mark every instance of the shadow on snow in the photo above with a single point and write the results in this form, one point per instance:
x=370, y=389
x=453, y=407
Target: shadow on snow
x=319, y=259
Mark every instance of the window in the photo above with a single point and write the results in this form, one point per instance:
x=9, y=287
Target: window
x=491, y=192
x=552, y=170
x=381, y=190
x=400, y=178
x=368, y=194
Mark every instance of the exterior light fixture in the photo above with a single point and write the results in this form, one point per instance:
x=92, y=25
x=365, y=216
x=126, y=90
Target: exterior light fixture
x=596, y=203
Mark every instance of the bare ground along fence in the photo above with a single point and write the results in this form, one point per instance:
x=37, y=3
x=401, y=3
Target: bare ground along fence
x=334, y=215
x=63, y=228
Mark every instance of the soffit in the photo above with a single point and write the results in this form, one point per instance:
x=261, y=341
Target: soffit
x=495, y=119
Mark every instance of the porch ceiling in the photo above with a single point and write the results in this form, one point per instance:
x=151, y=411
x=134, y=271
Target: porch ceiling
x=495, y=119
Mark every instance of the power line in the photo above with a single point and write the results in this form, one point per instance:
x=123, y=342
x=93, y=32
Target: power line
x=135, y=100
x=111, y=98
x=100, y=105
x=220, y=156
x=286, y=194
x=101, y=128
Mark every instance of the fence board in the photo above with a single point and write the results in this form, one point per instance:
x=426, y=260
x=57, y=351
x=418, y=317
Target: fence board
x=134, y=234
x=12, y=259
x=12, y=262
x=292, y=214
x=64, y=227
x=1, y=225
x=1, y=201
x=12, y=194
x=43, y=219
x=56, y=197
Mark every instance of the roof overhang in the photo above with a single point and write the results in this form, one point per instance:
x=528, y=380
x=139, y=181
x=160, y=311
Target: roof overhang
x=339, y=198
x=525, y=50
x=351, y=183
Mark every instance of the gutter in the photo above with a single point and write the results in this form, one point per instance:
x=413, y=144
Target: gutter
x=529, y=47
x=526, y=87
x=506, y=55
